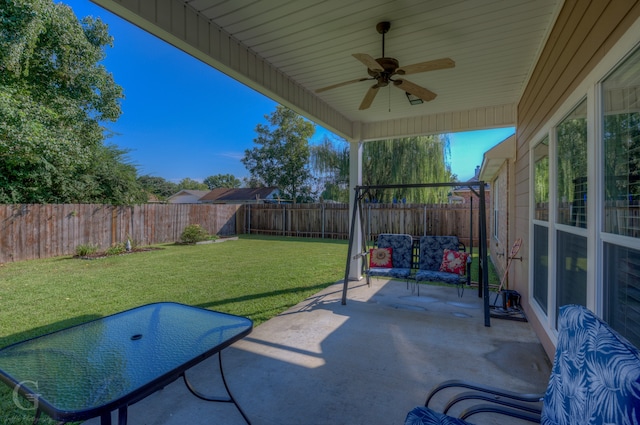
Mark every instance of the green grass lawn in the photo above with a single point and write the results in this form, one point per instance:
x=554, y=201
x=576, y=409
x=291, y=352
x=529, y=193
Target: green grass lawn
x=255, y=276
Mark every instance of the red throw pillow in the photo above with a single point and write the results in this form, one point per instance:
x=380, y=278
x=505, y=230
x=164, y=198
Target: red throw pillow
x=380, y=258
x=454, y=262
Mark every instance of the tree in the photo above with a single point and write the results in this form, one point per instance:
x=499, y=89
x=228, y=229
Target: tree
x=158, y=186
x=423, y=159
x=113, y=178
x=282, y=155
x=330, y=162
x=222, y=180
x=191, y=184
x=55, y=97
x=419, y=159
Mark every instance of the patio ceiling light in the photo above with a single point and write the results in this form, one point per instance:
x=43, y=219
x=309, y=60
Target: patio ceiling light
x=414, y=100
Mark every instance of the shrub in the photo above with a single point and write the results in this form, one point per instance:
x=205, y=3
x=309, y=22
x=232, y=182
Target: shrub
x=194, y=233
x=116, y=250
x=86, y=249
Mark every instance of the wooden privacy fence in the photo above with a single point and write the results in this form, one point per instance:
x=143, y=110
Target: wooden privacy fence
x=41, y=231
x=305, y=220
x=332, y=220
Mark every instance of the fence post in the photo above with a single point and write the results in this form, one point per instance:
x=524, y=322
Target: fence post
x=323, y=218
x=369, y=238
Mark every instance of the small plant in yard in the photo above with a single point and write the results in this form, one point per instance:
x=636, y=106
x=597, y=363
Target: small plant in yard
x=86, y=249
x=116, y=249
x=194, y=233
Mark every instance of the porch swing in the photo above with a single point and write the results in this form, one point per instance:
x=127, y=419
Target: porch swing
x=357, y=220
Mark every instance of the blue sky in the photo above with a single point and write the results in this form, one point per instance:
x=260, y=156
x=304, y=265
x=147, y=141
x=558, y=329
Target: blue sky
x=181, y=118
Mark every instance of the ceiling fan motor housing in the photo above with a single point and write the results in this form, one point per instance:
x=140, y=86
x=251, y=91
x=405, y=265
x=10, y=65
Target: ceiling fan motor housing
x=389, y=65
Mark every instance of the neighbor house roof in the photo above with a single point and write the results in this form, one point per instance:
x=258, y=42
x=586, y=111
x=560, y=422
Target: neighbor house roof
x=223, y=194
x=496, y=156
x=473, y=182
x=189, y=194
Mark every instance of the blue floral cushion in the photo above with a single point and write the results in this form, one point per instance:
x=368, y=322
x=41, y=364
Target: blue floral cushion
x=402, y=248
x=423, y=416
x=446, y=277
x=596, y=374
x=402, y=254
x=432, y=249
x=431, y=254
x=393, y=272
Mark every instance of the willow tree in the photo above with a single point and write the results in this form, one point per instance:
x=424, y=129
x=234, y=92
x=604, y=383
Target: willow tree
x=411, y=160
x=330, y=163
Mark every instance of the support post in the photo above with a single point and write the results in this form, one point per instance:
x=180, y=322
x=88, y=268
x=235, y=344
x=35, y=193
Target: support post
x=355, y=180
x=350, y=249
x=484, y=278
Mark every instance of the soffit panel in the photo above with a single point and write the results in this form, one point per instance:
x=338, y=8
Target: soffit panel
x=287, y=49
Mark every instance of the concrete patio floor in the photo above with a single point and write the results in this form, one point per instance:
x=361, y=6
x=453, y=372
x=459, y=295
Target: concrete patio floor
x=367, y=362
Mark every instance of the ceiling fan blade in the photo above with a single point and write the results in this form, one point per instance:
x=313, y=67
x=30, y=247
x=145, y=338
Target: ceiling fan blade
x=335, y=86
x=415, y=90
x=368, y=98
x=369, y=61
x=433, y=65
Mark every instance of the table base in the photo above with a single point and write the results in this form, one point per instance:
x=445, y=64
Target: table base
x=228, y=399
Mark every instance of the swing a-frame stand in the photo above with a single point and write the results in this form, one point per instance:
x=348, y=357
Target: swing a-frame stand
x=358, y=223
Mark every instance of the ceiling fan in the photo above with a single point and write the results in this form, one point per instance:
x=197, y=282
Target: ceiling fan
x=383, y=69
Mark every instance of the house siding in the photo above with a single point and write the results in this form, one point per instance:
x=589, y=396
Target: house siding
x=499, y=247
x=583, y=33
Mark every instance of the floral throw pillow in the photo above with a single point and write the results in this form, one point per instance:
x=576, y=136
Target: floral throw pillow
x=380, y=258
x=454, y=262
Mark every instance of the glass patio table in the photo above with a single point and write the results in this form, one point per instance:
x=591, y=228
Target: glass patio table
x=108, y=364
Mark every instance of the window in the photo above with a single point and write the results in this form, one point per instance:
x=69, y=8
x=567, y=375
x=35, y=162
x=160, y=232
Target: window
x=541, y=180
x=541, y=265
x=622, y=295
x=571, y=168
x=621, y=144
x=571, y=195
x=495, y=192
x=541, y=226
x=621, y=185
x=584, y=196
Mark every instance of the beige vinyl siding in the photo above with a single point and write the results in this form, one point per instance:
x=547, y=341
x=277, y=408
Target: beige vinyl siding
x=584, y=32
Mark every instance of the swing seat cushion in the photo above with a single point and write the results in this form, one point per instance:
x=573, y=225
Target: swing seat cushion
x=432, y=254
x=393, y=272
x=401, y=252
x=433, y=276
x=401, y=246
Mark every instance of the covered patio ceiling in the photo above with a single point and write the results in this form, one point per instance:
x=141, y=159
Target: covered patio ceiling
x=287, y=49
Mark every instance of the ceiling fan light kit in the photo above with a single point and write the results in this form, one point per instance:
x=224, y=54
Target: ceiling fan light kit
x=383, y=69
x=413, y=100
